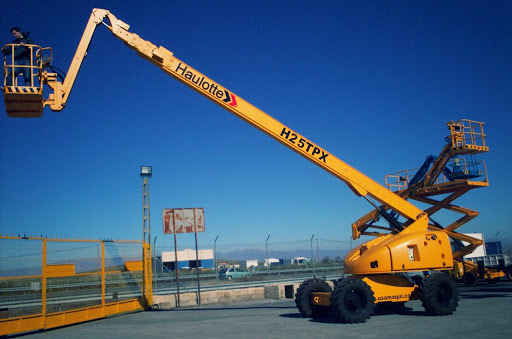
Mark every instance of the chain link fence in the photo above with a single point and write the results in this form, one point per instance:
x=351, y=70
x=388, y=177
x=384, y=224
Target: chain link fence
x=227, y=266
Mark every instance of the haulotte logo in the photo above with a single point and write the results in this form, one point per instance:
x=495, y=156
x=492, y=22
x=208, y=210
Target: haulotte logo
x=206, y=84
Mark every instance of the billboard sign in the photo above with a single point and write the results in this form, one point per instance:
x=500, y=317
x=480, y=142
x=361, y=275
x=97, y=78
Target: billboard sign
x=183, y=220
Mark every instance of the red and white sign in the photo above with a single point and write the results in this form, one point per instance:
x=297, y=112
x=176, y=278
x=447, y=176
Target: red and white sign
x=183, y=220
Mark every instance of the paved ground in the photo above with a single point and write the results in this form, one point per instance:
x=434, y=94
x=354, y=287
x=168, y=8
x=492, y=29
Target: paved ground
x=484, y=312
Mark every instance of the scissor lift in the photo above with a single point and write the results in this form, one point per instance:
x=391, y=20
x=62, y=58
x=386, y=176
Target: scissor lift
x=440, y=181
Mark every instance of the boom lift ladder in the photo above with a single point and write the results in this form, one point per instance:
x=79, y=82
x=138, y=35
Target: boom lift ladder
x=376, y=267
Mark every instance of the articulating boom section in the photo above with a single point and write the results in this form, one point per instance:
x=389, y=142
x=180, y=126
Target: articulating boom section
x=401, y=250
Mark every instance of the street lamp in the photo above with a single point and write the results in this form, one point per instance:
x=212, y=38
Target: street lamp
x=268, y=261
x=145, y=174
x=497, y=244
x=313, y=256
x=215, y=262
x=146, y=171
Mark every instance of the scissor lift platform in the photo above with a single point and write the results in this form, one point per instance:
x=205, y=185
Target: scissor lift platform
x=440, y=186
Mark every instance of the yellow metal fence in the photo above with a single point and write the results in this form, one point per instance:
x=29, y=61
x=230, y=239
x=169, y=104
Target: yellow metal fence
x=48, y=283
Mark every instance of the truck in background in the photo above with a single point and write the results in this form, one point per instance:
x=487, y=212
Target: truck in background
x=499, y=262
x=480, y=266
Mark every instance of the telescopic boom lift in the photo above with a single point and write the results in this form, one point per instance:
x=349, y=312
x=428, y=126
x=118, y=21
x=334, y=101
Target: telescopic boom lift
x=377, y=267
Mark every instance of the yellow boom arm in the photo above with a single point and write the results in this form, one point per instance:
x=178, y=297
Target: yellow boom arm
x=166, y=61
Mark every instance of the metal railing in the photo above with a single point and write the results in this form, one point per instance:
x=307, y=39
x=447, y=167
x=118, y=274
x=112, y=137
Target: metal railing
x=14, y=66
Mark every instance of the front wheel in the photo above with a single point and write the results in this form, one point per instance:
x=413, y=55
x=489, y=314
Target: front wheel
x=439, y=295
x=353, y=301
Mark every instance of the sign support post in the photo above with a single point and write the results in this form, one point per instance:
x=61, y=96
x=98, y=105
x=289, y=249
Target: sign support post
x=176, y=263
x=197, y=263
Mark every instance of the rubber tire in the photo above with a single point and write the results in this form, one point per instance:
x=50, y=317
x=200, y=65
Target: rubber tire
x=470, y=279
x=508, y=273
x=352, y=301
x=417, y=294
x=439, y=295
x=303, y=301
x=337, y=282
x=228, y=277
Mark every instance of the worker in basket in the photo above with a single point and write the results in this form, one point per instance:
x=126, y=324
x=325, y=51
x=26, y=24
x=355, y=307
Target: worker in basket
x=22, y=54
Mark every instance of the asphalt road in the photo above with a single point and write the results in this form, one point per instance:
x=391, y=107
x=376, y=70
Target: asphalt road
x=484, y=311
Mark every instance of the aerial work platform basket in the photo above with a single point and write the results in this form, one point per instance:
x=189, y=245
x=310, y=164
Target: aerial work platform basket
x=456, y=161
x=24, y=101
x=466, y=137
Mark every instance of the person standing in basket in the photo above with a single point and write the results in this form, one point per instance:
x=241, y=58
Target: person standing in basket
x=21, y=56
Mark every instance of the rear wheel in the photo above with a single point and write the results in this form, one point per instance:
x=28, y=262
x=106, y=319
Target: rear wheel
x=303, y=298
x=353, y=301
x=470, y=279
x=439, y=295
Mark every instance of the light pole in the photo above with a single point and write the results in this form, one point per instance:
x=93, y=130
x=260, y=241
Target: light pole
x=145, y=173
x=268, y=261
x=154, y=262
x=317, y=251
x=313, y=256
x=215, y=262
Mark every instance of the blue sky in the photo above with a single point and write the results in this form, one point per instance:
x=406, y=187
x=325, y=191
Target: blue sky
x=372, y=82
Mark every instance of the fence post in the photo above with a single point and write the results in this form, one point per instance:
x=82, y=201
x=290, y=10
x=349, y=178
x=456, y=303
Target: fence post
x=43, y=284
x=103, y=277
